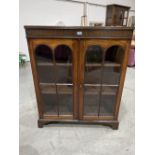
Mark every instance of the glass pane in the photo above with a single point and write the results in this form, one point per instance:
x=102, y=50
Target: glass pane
x=107, y=105
x=64, y=74
x=48, y=88
x=46, y=74
x=92, y=80
x=112, y=65
x=93, y=64
x=63, y=54
x=114, y=55
x=43, y=54
x=92, y=75
x=109, y=90
x=63, y=60
x=63, y=64
x=49, y=97
x=65, y=97
x=94, y=54
x=107, y=101
x=44, y=63
x=91, y=100
x=50, y=104
x=111, y=76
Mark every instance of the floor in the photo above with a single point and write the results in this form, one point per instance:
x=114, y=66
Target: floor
x=74, y=139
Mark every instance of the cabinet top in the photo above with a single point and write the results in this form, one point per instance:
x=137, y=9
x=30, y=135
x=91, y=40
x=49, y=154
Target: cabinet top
x=78, y=27
x=107, y=32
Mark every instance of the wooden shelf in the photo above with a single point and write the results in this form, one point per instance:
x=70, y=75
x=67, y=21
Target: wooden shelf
x=63, y=111
x=91, y=89
x=93, y=64
x=51, y=89
x=97, y=93
x=110, y=64
x=45, y=64
x=106, y=64
x=52, y=64
x=58, y=84
x=96, y=90
x=103, y=85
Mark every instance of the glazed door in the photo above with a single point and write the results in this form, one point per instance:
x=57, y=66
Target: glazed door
x=100, y=68
x=56, y=66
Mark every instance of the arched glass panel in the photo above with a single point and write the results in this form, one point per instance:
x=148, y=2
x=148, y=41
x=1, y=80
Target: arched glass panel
x=64, y=79
x=44, y=63
x=94, y=54
x=110, y=79
x=46, y=70
x=115, y=54
x=63, y=54
x=93, y=64
x=43, y=54
x=92, y=79
x=101, y=79
x=63, y=62
x=112, y=65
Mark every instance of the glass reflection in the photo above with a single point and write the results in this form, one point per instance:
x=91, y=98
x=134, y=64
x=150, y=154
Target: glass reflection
x=94, y=54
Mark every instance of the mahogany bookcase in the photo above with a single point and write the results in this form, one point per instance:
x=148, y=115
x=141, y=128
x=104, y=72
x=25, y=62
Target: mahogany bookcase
x=78, y=72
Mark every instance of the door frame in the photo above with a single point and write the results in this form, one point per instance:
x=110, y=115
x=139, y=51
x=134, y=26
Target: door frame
x=53, y=43
x=105, y=44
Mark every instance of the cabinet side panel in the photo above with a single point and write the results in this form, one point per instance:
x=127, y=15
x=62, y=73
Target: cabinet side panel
x=35, y=78
x=122, y=80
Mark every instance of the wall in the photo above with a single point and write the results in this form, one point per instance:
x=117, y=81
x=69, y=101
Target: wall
x=49, y=12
